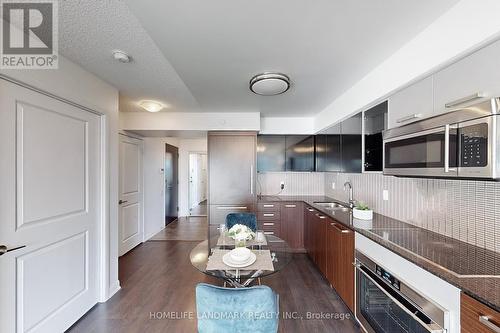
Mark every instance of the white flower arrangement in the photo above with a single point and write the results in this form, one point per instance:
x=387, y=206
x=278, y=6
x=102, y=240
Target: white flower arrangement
x=241, y=232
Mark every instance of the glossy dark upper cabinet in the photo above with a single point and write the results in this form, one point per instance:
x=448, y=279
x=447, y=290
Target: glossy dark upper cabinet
x=321, y=150
x=351, y=141
x=375, y=122
x=333, y=149
x=299, y=153
x=271, y=153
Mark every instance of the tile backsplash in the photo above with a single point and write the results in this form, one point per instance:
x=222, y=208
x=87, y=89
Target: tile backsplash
x=296, y=183
x=461, y=209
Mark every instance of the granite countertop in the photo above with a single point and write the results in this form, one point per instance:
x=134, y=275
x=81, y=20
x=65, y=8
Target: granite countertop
x=474, y=270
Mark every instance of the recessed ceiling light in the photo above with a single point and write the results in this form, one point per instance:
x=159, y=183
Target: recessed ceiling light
x=269, y=84
x=151, y=106
x=121, y=56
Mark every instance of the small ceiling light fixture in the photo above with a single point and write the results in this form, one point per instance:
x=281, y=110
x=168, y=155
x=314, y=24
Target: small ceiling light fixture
x=151, y=106
x=269, y=84
x=121, y=56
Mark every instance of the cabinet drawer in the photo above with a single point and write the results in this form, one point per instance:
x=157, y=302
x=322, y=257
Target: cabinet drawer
x=268, y=216
x=475, y=317
x=270, y=228
x=268, y=206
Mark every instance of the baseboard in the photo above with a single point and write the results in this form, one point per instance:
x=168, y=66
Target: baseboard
x=113, y=289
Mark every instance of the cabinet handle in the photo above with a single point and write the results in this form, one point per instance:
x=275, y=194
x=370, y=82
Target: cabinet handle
x=268, y=223
x=335, y=225
x=290, y=206
x=268, y=214
x=232, y=207
x=466, y=99
x=268, y=206
x=408, y=118
x=268, y=233
x=310, y=209
x=486, y=322
x=321, y=216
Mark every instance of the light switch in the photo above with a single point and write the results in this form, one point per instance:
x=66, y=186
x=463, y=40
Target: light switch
x=385, y=195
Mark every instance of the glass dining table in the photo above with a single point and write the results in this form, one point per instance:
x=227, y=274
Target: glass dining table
x=272, y=255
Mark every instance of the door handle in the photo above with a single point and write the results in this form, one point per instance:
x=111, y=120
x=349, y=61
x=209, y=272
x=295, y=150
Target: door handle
x=122, y=202
x=339, y=228
x=4, y=249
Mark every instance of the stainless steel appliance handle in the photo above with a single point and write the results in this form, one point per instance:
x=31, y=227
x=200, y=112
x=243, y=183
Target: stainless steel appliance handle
x=433, y=327
x=486, y=322
x=466, y=99
x=408, y=118
x=447, y=149
x=232, y=207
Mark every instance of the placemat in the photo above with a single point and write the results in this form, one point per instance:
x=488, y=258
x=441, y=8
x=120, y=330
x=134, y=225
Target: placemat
x=263, y=262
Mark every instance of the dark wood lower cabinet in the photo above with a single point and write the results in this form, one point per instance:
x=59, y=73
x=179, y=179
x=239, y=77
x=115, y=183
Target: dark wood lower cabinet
x=475, y=317
x=340, y=258
x=330, y=245
x=292, y=224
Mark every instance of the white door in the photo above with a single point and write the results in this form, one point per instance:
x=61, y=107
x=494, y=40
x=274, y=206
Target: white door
x=50, y=203
x=131, y=217
x=193, y=180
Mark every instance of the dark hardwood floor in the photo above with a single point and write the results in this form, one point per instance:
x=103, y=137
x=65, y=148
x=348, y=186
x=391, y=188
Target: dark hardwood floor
x=158, y=279
x=185, y=228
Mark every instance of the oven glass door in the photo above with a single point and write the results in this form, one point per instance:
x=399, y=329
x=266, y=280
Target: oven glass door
x=422, y=154
x=382, y=309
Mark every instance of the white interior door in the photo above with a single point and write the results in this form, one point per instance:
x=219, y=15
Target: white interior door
x=50, y=203
x=193, y=180
x=131, y=205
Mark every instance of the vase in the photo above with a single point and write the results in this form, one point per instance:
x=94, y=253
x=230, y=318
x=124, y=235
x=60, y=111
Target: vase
x=240, y=242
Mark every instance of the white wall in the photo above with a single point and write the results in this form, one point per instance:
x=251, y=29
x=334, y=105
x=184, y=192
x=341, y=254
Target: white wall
x=464, y=28
x=190, y=121
x=154, y=194
x=77, y=85
x=287, y=125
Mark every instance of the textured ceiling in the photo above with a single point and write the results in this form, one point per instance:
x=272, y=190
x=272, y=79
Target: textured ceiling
x=198, y=55
x=88, y=33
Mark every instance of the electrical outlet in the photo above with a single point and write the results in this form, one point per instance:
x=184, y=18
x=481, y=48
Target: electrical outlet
x=282, y=185
x=385, y=195
x=333, y=185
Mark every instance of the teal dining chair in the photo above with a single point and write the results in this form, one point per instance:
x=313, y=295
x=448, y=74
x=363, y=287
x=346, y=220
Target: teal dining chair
x=242, y=310
x=248, y=219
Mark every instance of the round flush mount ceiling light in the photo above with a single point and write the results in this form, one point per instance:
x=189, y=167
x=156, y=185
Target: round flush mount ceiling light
x=121, y=56
x=269, y=84
x=151, y=106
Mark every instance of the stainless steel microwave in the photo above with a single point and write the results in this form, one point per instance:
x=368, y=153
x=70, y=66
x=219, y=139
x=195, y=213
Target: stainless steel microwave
x=463, y=143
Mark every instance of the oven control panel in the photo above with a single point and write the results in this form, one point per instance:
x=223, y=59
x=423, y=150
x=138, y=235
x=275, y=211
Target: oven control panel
x=388, y=277
x=474, y=146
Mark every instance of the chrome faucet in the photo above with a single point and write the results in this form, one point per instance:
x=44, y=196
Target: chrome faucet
x=348, y=186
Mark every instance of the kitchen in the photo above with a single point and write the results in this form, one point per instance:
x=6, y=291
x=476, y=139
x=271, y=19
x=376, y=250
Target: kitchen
x=443, y=257
x=233, y=166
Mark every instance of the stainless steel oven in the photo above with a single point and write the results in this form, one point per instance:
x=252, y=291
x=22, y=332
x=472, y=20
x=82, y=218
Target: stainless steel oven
x=460, y=143
x=384, y=304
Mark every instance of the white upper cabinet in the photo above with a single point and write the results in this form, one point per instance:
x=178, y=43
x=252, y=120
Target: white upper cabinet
x=411, y=104
x=478, y=73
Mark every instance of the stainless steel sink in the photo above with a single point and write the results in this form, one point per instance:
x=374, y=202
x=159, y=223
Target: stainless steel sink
x=331, y=205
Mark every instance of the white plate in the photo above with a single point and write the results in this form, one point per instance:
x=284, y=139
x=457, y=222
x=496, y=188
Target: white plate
x=226, y=259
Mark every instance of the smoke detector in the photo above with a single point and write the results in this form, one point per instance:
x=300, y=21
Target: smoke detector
x=121, y=56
